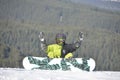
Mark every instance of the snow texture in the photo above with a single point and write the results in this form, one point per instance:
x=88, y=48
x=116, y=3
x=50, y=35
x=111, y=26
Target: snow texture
x=22, y=74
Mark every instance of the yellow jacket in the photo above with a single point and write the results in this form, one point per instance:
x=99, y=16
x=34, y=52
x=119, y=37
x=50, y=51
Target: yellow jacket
x=54, y=51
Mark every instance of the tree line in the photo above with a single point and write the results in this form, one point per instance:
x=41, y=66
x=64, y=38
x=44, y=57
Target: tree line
x=99, y=44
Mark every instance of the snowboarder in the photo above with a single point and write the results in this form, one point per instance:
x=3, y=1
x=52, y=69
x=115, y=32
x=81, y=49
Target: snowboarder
x=60, y=49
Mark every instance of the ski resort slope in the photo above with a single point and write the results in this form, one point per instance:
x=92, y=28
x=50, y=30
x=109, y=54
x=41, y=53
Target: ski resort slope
x=22, y=74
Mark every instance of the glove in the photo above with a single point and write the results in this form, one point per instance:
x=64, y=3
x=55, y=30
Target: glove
x=41, y=37
x=81, y=36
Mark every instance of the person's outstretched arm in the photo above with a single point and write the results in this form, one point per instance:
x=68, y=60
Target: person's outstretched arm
x=43, y=44
x=77, y=44
x=69, y=48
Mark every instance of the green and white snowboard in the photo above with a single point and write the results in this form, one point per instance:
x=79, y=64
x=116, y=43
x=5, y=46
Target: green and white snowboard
x=44, y=63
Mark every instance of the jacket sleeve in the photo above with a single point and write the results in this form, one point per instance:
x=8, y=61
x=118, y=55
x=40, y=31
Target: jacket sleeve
x=43, y=46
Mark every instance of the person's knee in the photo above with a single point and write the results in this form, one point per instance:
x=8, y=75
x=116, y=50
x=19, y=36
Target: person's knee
x=50, y=55
x=69, y=55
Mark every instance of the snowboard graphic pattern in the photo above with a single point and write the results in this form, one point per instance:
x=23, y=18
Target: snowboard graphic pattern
x=57, y=63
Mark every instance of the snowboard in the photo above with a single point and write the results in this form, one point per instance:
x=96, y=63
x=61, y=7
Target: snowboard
x=44, y=63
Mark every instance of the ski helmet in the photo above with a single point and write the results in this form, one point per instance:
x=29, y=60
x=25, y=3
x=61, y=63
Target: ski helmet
x=61, y=36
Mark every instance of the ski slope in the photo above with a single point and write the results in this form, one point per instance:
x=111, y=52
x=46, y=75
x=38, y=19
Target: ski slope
x=22, y=74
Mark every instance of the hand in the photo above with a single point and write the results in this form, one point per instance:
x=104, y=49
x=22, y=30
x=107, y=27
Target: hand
x=41, y=37
x=81, y=36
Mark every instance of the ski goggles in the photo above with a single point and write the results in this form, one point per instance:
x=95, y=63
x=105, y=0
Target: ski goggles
x=60, y=41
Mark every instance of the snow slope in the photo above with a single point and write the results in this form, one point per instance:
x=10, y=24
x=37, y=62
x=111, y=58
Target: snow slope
x=22, y=74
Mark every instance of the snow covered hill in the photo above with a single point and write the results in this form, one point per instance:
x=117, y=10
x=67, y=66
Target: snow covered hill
x=22, y=74
x=105, y=4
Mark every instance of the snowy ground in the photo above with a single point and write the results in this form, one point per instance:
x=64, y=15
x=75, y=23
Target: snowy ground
x=22, y=74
